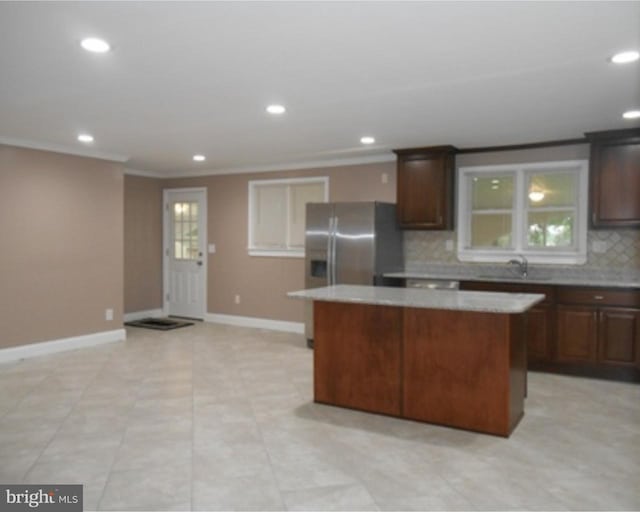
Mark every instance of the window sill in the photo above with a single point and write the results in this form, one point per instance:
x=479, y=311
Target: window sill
x=503, y=257
x=276, y=253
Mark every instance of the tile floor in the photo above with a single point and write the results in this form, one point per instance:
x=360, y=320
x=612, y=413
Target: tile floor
x=212, y=417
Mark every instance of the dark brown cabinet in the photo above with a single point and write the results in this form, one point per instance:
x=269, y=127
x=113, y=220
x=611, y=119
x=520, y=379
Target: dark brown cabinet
x=580, y=330
x=425, y=185
x=619, y=336
x=615, y=179
x=539, y=319
x=576, y=334
x=598, y=326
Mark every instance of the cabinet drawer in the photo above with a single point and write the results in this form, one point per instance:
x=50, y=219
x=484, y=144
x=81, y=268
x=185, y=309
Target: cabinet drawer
x=490, y=286
x=596, y=296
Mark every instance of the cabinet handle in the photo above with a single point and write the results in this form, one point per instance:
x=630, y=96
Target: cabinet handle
x=440, y=219
x=593, y=218
x=598, y=297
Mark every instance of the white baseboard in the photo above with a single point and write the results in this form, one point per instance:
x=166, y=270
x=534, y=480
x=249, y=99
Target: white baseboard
x=139, y=315
x=259, y=323
x=60, y=345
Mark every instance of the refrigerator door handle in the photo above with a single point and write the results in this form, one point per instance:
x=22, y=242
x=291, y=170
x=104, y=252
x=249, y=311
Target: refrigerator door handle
x=333, y=255
x=330, y=252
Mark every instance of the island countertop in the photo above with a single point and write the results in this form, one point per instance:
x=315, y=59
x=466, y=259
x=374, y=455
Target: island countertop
x=487, y=302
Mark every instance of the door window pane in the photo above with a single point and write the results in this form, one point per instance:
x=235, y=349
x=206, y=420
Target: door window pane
x=185, y=231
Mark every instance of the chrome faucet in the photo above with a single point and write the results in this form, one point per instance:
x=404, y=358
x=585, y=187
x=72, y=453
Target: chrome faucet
x=523, y=265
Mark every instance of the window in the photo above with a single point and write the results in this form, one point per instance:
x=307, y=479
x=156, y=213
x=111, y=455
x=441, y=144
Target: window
x=277, y=214
x=185, y=230
x=538, y=210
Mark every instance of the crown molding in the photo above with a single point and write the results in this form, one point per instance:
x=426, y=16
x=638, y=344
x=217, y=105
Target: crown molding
x=61, y=148
x=144, y=174
x=309, y=164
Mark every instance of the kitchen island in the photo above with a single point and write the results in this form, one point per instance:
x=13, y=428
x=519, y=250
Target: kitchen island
x=440, y=356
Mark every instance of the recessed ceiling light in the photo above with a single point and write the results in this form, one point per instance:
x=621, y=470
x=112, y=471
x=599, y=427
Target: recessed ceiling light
x=367, y=140
x=199, y=158
x=276, y=109
x=95, y=45
x=631, y=114
x=85, y=137
x=625, y=57
x=495, y=182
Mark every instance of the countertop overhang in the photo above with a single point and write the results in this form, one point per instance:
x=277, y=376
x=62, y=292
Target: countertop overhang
x=454, y=300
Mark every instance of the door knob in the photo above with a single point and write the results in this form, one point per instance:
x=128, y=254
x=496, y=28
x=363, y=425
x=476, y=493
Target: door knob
x=199, y=263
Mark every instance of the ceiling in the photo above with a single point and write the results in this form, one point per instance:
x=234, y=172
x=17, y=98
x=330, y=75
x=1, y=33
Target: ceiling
x=185, y=78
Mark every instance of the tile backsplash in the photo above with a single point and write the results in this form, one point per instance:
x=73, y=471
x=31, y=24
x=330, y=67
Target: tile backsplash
x=621, y=251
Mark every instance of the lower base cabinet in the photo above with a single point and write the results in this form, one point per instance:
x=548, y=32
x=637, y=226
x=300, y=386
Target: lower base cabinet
x=619, y=336
x=577, y=334
x=580, y=330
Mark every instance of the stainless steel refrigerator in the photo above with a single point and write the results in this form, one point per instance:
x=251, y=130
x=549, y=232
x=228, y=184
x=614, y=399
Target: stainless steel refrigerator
x=349, y=243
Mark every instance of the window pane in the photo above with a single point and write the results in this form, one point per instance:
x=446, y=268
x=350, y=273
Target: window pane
x=546, y=189
x=194, y=212
x=493, y=230
x=270, y=216
x=550, y=229
x=492, y=192
x=301, y=194
x=177, y=211
x=177, y=250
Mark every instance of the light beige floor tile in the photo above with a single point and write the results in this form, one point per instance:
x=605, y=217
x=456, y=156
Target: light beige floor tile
x=339, y=497
x=228, y=412
x=166, y=487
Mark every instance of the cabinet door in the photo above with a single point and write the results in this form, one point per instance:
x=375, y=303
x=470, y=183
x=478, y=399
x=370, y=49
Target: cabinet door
x=615, y=183
x=619, y=336
x=357, y=356
x=577, y=334
x=539, y=333
x=425, y=189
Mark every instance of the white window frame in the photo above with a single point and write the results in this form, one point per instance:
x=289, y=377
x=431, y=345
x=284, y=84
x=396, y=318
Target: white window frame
x=576, y=255
x=253, y=185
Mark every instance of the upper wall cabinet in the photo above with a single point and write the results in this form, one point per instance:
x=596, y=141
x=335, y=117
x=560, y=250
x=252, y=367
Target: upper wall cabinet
x=615, y=179
x=425, y=187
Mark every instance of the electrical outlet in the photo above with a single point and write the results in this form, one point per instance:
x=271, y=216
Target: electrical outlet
x=384, y=178
x=108, y=314
x=212, y=248
x=237, y=299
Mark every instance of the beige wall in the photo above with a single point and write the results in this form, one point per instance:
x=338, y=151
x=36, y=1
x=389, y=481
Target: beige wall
x=262, y=282
x=61, y=261
x=142, y=243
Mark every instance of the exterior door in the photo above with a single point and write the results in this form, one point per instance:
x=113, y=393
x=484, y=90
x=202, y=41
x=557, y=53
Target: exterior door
x=185, y=259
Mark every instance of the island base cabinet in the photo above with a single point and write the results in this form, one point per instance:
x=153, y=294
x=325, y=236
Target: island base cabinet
x=357, y=356
x=456, y=368
x=473, y=382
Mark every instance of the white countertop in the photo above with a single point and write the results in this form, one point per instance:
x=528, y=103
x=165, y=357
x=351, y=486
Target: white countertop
x=488, y=302
x=533, y=279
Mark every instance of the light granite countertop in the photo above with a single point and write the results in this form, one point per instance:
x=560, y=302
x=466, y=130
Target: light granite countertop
x=534, y=278
x=487, y=302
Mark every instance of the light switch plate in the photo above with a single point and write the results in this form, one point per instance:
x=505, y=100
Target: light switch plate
x=212, y=248
x=384, y=178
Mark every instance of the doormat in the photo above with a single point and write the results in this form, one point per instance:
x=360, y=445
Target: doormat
x=160, y=324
